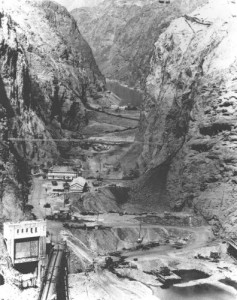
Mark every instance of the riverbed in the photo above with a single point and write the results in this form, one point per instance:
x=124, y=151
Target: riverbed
x=128, y=95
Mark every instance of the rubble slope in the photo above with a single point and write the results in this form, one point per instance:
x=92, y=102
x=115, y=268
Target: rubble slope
x=188, y=126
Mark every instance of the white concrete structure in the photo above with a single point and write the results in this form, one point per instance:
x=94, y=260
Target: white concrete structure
x=78, y=185
x=26, y=243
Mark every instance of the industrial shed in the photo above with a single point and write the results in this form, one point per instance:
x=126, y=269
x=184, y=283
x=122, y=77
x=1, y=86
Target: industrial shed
x=78, y=185
x=61, y=173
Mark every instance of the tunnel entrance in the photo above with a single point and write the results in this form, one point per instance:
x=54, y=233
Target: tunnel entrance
x=27, y=267
x=2, y=281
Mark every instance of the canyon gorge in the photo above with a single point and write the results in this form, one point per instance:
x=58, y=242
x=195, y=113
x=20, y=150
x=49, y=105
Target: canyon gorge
x=139, y=99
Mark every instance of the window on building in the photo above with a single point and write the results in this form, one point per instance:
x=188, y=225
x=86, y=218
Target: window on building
x=31, y=230
x=22, y=230
x=35, y=229
x=26, y=229
x=17, y=231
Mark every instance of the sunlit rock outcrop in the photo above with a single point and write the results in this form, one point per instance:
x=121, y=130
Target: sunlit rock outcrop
x=47, y=70
x=188, y=127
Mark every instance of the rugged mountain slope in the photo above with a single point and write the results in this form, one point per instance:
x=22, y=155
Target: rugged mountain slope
x=188, y=127
x=71, y=4
x=122, y=33
x=47, y=70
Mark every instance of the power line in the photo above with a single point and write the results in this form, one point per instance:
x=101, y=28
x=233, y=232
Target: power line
x=89, y=141
x=94, y=141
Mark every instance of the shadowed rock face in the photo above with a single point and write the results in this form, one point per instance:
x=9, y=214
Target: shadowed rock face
x=122, y=34
x=47, y=70
x=190, y=113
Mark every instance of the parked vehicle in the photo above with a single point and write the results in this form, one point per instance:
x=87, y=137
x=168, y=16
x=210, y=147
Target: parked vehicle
x=96, y=183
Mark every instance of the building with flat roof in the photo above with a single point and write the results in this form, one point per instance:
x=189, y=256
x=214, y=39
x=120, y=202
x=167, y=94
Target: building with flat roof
x=61, y=173
x=26, y=245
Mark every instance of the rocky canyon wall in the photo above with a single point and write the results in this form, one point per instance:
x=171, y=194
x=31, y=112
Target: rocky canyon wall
x=47, y=70
x=122, y=34
x=72, y=4
x=188, y=126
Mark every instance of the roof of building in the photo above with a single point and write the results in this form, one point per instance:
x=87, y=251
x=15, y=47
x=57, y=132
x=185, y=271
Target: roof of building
x=28, y=222
x=78, y=181
x=61, y=169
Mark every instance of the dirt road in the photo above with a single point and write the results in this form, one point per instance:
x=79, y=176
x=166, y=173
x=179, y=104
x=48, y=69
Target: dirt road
x=38, y=197
x=201, y=237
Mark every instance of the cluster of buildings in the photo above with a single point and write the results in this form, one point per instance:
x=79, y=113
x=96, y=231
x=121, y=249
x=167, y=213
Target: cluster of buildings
x=74, y=182
x=27, y=242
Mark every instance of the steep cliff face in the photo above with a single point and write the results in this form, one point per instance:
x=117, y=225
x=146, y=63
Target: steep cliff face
x=122, y=33
x=47, y=70
x=188, y=127
x=71, y=4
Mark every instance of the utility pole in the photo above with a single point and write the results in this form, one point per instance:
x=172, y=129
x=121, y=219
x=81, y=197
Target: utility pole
x=66, y=193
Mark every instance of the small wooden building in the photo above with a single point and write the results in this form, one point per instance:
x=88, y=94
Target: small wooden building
x=78, y=185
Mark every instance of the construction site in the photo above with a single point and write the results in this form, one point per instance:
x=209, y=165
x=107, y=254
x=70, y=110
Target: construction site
x=90, y=238
x=88, y=241
x=104, y=198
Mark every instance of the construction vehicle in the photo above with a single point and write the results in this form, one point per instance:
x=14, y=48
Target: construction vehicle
x=62, y=214
x=179, y=244
x=167, y=214
x=96, y=183
x=74, y=225
x=165, y=271
x=215, y=256
x=166, y=276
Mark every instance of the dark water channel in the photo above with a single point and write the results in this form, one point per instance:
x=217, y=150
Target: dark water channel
x=229, y=282
x=189, y=275
x=197, y=292
x=128, y=95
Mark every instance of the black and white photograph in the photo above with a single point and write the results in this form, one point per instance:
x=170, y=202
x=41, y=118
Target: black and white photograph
x=118, y=149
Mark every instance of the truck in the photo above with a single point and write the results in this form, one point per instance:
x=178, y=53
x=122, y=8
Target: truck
x=62, y=214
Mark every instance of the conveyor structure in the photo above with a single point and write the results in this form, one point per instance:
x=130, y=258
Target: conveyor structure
x=54, y=284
